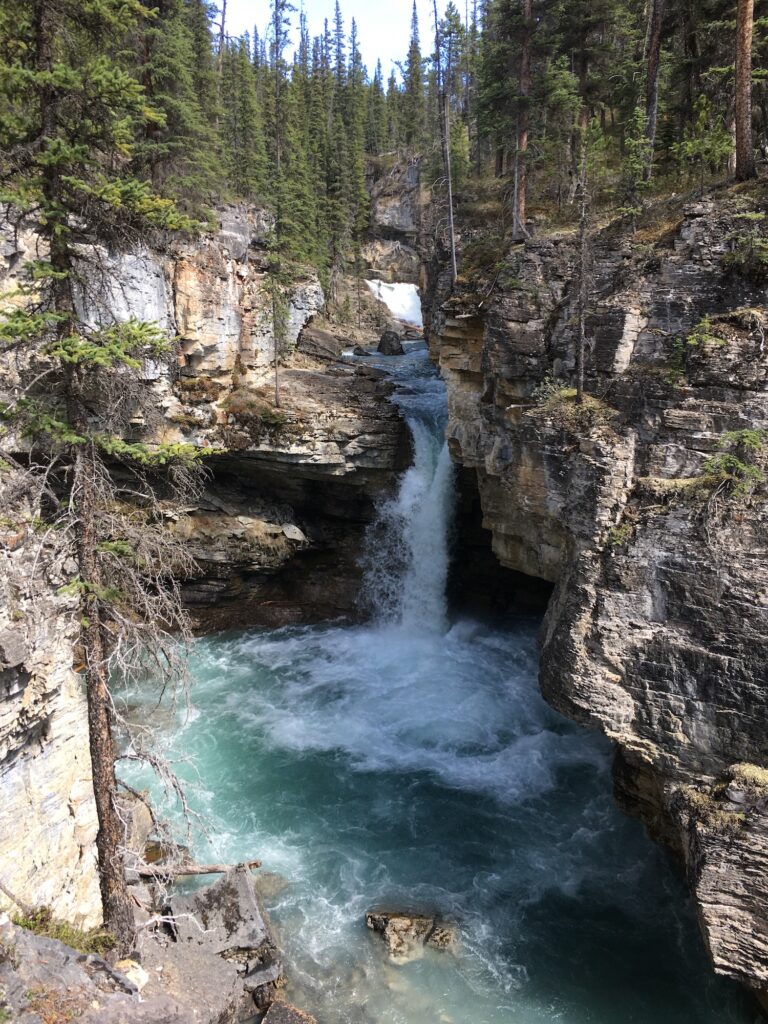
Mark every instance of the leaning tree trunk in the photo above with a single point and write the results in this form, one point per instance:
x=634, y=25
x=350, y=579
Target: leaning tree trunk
x=116, y=904
x=653, y=64
x=745, y=154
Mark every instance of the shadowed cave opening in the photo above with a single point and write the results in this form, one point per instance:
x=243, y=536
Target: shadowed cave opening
x=478, y=584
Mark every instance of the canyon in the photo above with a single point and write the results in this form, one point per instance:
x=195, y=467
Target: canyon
x=656, y=630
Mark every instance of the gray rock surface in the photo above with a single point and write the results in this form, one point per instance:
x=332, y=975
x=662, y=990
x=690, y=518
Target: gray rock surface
x=657, y=630
x=47, y=812
x=390, y=344
x=221, y=918
x=222, y=968
x=283, y=1013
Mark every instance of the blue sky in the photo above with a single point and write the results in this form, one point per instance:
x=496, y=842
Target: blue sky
x=384, y=25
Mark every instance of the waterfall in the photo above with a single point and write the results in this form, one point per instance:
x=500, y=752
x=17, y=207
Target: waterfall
x=407, y=548
x=402, y=300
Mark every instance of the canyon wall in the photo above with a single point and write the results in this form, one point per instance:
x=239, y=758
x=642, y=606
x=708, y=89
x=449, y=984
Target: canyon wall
x=276, y=533
x=657, y=631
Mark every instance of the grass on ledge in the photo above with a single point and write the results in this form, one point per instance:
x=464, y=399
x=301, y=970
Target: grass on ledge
x=42, y=922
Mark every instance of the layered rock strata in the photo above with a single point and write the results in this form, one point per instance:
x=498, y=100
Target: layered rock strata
x=275, y=535
x=657, y=630
x=47, y=813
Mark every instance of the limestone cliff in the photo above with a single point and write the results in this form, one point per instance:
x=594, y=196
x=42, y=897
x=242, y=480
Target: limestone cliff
x=275, y=536
x=657, y=630
x=47, y=813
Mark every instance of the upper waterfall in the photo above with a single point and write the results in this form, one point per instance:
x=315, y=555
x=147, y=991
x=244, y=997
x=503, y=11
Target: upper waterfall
x=402, y=300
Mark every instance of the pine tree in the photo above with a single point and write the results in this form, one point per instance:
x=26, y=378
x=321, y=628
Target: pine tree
x=71, y=115
x=179, y=150
x=243, y=131
x=412, y=107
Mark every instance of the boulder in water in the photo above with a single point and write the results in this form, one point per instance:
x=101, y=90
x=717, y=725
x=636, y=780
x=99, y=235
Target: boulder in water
x=390, y=344
x=406, y=933
x=284, y=1013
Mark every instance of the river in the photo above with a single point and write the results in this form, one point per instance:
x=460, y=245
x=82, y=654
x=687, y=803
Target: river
x=412, y=762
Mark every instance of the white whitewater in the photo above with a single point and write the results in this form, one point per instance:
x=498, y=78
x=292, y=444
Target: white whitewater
x=407, y=556
x=407, y=763
x=402, y=300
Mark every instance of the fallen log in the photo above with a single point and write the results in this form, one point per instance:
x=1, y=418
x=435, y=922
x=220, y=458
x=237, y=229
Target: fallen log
x=184, y=870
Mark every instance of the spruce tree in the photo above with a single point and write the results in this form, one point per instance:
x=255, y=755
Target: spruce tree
x=413, y=107
x=394, y=114
x=71, y=114
x=179, y=149
x=243, y=131
x=376, y=133
x=357, y=198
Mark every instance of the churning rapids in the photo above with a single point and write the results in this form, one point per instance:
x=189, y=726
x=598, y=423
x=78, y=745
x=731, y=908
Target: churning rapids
x=411, y=761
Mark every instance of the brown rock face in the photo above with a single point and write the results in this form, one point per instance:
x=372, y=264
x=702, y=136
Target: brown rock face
x=406, y=933
x=657, y=630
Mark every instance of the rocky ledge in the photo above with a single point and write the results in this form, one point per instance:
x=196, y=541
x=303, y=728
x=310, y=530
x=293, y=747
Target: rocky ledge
x=207, y=958
x=657, y=629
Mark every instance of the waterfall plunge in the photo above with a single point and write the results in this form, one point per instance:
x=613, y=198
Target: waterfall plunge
x=407, y=553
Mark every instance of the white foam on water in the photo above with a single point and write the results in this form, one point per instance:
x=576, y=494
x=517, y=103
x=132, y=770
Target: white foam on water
x=410, y=763
x=402, y=300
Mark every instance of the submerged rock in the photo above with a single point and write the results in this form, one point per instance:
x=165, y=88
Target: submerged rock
x=390, y=344
x=284, y=1013
x=406, y=933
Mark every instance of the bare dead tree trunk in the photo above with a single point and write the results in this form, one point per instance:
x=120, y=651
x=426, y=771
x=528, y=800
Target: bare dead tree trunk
x=745, y=154
x=581, y=340
x=653, y=65
x=118, y=912
x=523, y=125
x=445, y=139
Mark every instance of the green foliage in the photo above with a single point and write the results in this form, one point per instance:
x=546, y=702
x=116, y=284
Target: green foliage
x=412, y=106
x=43, y=923
x=751, y=776
x=703, y=334
x=243, y=129
x=485, y=253
x=637, y=154
x=251, y=407
x=706, y=142
x=620, y=535
x=556, y=402
x=741, y=461
x=748, y=254
x=676, y=362
x=121, y=344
